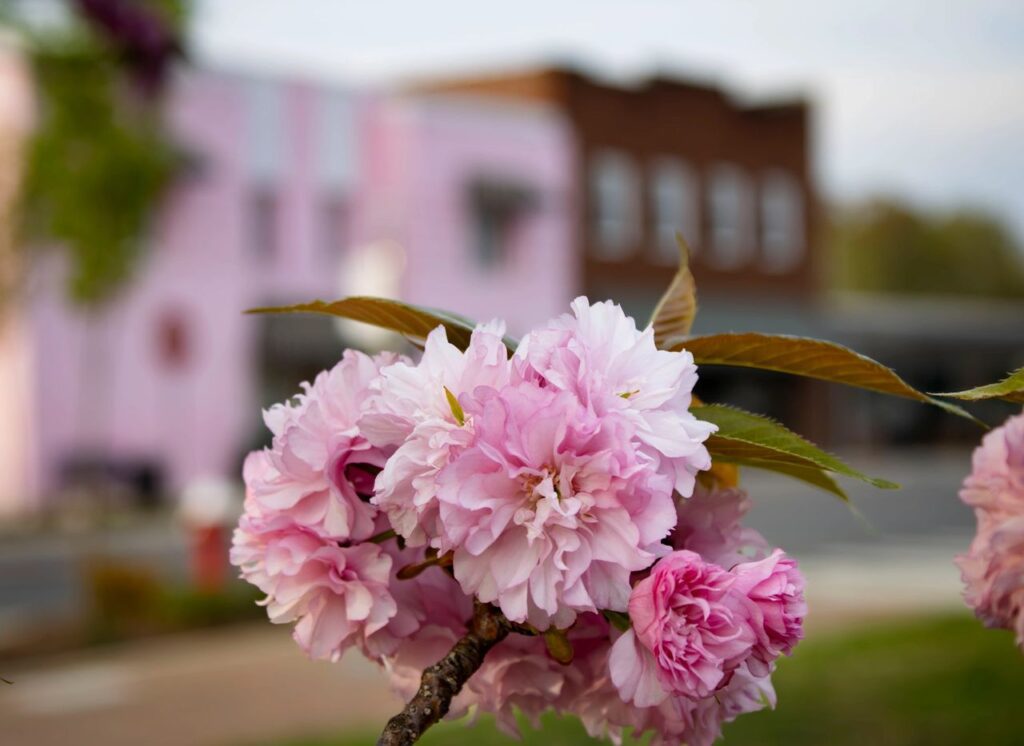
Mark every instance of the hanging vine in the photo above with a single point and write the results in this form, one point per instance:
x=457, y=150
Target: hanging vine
x=100, y=159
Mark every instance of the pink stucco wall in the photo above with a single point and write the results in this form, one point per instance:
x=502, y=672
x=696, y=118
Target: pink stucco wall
x=107, y=389
x=17, y=425
x=433, y=148
x=101, y=384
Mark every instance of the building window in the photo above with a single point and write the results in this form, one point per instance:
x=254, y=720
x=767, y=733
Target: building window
x=337, y=142
x=782, y=222
x=262, y=223
x=266, y=136
x=673, y=208
x=615, y=204
x=333, y=228
x=497, y=209
x=729, y=201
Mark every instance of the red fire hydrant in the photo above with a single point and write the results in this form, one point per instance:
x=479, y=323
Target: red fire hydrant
x=208, y=508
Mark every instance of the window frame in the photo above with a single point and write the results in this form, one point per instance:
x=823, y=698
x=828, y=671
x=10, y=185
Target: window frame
x=781, y=198
x=614, y=203
x=730, y=247
x=663, y=171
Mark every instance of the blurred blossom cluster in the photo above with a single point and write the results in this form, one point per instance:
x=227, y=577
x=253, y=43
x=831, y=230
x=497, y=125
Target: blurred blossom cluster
x=558, y=484
x=993, y=567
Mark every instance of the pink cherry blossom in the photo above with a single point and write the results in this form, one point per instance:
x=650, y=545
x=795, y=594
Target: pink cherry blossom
x=775, y=588
x=337, y=595
x=709, y=524
x=411, y=411
x=549, y=507
x=698, y=722
x=598, y=353
x=436, y=613
x=518, y=676
x=993, y=568
x=690, y=631
x=319, y=469
x=675, y=720
x=544, y=483
x=996, y=482
x=993, y=572
x=745, y=692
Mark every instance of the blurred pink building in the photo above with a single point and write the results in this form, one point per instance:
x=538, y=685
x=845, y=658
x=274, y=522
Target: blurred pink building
x=16, y=422
x=295, y=191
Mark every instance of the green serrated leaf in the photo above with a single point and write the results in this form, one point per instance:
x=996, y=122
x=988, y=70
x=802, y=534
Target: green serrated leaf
x=674, y=314
x=745, y=436
x=1010, y=389
x=413, y=321
x=802, y=356
x=453, y=404
x=813, y=476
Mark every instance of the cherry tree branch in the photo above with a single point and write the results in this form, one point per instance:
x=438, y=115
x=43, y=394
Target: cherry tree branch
x=442, y=681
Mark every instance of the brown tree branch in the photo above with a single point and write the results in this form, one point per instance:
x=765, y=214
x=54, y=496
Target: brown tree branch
x=443, y=680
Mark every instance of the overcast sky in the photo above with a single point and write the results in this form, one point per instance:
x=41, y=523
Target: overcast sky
x=923, y=98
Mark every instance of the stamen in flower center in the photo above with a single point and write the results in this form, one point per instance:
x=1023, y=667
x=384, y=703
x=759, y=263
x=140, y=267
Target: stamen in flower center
x=532, y=481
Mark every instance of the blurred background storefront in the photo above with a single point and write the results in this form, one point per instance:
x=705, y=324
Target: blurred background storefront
x=493, y=187
x=498, y=196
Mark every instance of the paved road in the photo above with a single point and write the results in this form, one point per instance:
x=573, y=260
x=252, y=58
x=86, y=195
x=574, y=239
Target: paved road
x=226, y=687
x=807, y=521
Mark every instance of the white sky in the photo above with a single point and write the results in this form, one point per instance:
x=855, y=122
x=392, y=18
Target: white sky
x=924, y=98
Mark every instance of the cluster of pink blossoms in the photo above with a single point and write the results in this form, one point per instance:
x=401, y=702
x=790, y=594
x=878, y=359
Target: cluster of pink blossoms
x=993, y=568
x=559, y=485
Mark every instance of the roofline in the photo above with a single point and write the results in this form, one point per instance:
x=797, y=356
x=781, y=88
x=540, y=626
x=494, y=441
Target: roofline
x=588, y=74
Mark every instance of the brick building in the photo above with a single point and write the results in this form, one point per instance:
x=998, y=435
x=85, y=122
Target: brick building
x=738, y=180
x=665, y=155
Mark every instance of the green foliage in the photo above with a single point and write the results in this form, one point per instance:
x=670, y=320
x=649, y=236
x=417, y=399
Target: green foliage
x=94, y=172
x=187, y=608
x=936, y=682
x=888, y=247
x=811, y=475
x=128, y=601
x=745, y=438
x=123, y=598
x=1010, y=388
x=99, y=160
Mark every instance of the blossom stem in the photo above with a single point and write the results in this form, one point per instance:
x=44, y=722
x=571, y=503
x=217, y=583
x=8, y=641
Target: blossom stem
x=442, y=681
x=383, y=536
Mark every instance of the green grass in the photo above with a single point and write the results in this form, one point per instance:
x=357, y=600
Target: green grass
x=934, y=682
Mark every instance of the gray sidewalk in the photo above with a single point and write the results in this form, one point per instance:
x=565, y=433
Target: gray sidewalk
x=231, y=686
